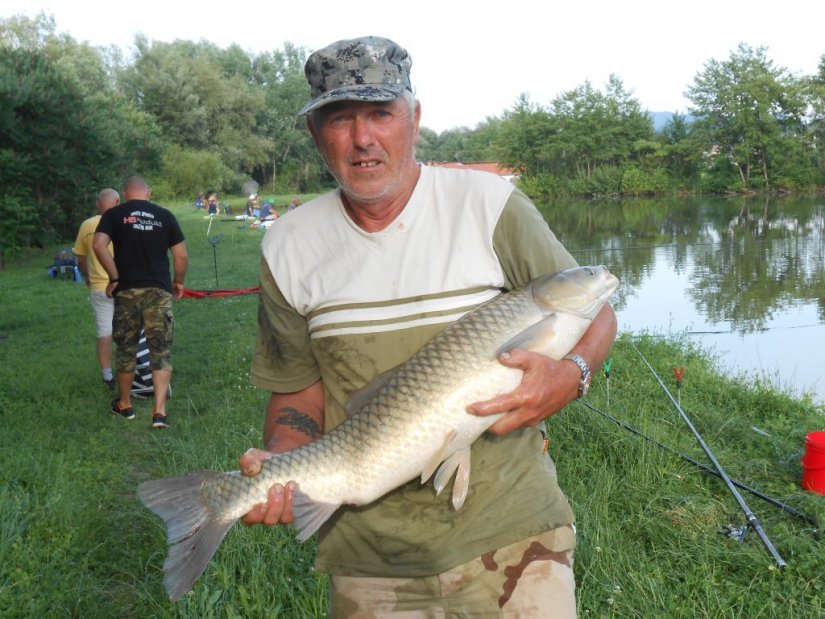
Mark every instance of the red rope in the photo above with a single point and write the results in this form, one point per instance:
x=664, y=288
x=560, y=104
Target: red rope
x=200, y=294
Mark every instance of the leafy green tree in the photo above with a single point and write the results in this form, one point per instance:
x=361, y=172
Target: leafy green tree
x=749, y=112
x=816, y=119
x=64, y=131
x=523, y=135
x=167, y=84
x=480, y=142
x=596, y=129
x=678, y=151
x=427, y=147
x=203, y=98
x=452, y=145
x=18, y=216
x=187, y=172
x=292, y=162
x=461, y=144
x=581, y=144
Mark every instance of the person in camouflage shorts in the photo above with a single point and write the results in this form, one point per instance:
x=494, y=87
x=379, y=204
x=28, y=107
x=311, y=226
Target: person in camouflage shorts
x=150, y=310
x=353, y=284
x=142, y=234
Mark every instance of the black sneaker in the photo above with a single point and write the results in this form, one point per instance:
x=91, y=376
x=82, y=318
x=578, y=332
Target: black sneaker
x=111, y=383
x=126, y=413
x=160, y=421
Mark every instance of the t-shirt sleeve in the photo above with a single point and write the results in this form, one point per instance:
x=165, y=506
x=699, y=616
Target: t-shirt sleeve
x=81, y=243
x=525, y=245
x=176, y=234
x=283, y=360
x=105, y=223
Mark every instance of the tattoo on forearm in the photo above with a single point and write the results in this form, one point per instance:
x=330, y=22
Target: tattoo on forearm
x=299, y=421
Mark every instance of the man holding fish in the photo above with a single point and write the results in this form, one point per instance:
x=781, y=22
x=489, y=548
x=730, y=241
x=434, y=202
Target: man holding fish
x=352, y=285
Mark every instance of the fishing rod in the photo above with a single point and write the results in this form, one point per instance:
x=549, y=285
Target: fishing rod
x=767, y=498
x=751, y=518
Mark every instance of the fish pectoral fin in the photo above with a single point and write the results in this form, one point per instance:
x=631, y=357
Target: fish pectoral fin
x=458, y=464
x=532, y=337
x=461, y=484
x=308, y=515
x=446, y=471
x=438, y=457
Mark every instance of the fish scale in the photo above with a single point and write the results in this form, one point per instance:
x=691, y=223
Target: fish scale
x=418, y=409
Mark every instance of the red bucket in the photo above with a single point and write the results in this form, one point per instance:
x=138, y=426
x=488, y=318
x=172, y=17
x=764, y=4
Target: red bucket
x=814, y=480
x=813, y=463
x=815, y=444
x=813, y=459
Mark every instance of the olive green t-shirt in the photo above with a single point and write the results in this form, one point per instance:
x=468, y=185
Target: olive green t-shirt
x=513, y=492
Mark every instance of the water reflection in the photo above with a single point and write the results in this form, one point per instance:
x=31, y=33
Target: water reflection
x=746, y=276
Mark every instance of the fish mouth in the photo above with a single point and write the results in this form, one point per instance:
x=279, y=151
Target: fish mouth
x=587, y=298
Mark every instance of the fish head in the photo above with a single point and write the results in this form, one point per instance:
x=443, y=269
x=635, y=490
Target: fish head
x=581, y=290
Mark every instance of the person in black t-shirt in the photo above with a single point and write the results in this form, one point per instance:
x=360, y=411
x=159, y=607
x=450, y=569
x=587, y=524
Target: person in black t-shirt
x=142, y=234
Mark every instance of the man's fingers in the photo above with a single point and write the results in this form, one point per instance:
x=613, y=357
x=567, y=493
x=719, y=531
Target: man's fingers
x=516, y=358
x=250, y=461
x=255, y=515
x=276, y=510
x=279, y=504
x=500, y=404
x=506, y=424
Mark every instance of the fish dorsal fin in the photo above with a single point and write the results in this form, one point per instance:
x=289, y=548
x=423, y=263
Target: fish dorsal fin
x=357, y=398
x=532, y=336
x=309, y=515
x=459, y=461
x=438, y=457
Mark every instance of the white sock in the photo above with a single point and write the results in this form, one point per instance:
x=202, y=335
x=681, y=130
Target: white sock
x=107, y=374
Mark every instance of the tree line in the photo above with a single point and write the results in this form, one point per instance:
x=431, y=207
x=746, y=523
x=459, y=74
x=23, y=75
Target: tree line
x=194, y=117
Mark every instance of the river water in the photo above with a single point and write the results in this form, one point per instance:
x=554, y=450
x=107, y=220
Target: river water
x=744, y=277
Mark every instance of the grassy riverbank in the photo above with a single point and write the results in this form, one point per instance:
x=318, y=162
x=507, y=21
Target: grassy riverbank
x=74, y=540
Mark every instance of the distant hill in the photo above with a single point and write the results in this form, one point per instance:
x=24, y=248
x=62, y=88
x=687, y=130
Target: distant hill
x=660, y=119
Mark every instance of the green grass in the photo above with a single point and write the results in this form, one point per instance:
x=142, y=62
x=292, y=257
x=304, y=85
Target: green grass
x=76, y=542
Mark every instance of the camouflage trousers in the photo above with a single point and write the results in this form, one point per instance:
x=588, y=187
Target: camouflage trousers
x=532, y=578
x=149, y=309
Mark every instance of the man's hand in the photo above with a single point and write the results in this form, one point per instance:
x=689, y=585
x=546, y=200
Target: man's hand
x=278, y=506
x=110, y=289
x=177, y=290
x=546, y=387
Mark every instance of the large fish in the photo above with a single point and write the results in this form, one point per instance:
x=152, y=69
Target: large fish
x=418, y=409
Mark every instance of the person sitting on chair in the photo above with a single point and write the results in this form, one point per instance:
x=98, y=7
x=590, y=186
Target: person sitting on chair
x=268, y=212
x=212, y=204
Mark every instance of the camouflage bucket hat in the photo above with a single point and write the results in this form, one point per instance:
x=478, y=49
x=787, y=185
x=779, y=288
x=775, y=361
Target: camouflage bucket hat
x=364, y=69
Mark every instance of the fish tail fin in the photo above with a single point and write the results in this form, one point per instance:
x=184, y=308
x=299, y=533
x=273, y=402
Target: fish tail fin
x=192, y=530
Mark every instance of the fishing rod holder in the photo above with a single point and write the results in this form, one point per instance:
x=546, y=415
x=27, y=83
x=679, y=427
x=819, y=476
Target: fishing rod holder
x=213, y=241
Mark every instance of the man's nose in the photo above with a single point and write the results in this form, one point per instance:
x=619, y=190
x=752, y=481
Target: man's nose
x=362, y=135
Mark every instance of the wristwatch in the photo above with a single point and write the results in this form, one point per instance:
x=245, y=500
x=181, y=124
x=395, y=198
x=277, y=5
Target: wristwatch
x=584, y=385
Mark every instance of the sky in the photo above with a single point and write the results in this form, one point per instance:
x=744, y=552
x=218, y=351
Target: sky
x=472, y=59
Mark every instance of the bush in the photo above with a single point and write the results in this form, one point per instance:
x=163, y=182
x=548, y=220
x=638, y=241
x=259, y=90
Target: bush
x=187, y=172
x=638, y=182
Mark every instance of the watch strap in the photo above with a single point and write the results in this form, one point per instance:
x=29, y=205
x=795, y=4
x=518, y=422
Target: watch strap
x=584, y=384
